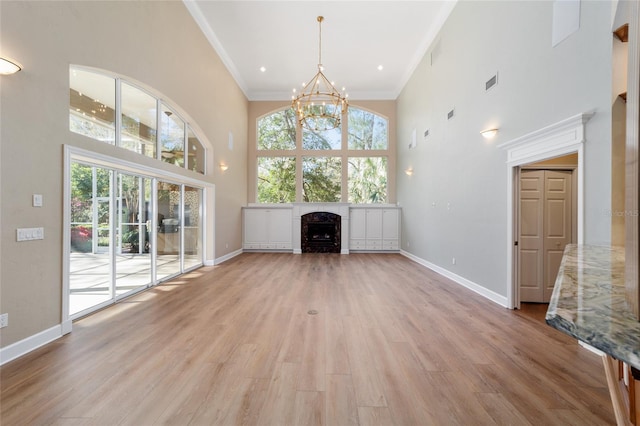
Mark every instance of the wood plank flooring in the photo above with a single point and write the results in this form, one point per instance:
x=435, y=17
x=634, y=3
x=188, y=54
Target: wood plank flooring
x=392, y=343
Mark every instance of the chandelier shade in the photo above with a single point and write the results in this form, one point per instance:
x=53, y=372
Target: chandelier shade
x=319, y=105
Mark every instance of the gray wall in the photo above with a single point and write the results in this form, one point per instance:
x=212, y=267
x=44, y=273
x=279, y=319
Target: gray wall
x=538, y=85
x=156, y=43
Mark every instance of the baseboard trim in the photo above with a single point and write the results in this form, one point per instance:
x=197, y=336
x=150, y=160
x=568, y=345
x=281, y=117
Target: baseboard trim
x=227, y=256
x=476, y=288
x=29, y=344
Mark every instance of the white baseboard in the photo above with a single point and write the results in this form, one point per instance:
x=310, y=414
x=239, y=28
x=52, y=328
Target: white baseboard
x=29, y=344
x=477, y=288
x=226, y=257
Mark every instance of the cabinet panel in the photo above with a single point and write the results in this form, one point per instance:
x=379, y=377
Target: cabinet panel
x=267, y=229
x=280, y=228
x=255, y=227
x=357, y=224
x=374, y=229
x=390, y=224
x=374, y=224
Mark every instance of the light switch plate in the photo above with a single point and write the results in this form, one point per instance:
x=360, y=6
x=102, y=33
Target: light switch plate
x=29, y=234
x=37, y=200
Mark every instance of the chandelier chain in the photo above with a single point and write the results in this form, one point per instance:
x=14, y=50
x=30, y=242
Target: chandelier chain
x=320, y=19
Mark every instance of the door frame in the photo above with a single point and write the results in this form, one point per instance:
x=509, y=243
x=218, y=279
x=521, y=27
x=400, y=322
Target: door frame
x=562, y=138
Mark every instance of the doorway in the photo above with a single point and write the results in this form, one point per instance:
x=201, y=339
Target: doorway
x=546, y=223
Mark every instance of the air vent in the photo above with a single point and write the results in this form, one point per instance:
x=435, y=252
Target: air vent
x=450, y=114
x=491, y=82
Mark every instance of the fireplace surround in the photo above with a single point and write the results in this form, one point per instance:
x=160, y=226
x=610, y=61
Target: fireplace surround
x=301, y=209
x=320, y=232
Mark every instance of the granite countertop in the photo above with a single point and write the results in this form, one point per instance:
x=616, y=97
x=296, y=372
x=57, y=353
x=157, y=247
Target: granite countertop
x=588, y=302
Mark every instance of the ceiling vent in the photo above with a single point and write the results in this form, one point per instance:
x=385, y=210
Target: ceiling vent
x=491, y=82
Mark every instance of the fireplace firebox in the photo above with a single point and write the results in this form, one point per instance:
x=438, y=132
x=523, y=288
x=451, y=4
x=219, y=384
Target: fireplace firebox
x=320, y=232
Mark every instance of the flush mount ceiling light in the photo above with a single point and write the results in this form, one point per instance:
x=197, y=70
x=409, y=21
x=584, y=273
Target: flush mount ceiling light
x=489, y=133
x=9, y=66
x=319, y=105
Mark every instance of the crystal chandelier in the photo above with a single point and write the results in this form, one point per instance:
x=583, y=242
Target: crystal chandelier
x=319, y=104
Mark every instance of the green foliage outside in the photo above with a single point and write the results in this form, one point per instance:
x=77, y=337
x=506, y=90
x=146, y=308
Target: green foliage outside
x=322, y=176
x=321, y=179
x=367, y=180
x=277, y=131
x=276, y=179
x=367, y=130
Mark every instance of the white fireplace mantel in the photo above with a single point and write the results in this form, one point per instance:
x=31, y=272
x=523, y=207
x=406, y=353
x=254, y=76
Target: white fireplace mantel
x=341, y=209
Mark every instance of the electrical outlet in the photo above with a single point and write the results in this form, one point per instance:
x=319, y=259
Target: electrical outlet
x=4, y=320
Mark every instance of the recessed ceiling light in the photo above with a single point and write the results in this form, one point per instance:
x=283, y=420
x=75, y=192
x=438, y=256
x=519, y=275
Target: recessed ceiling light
x=262, y=69
x=380, y=67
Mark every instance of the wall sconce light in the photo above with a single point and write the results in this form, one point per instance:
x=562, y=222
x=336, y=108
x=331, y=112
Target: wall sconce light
x=489, y=133
x=9, y=66
x=223, y=167
x=409, y=171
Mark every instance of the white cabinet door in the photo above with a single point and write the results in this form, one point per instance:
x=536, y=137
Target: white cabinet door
x=390, y=228
x=374, y=224
x=280, y=228
x=374, y=229
x=256, y=232
x=267, y=229
x=358, y=224
x=357, y=229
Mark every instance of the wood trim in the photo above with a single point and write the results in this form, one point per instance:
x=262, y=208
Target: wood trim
x=632, y=202
x=620, y=407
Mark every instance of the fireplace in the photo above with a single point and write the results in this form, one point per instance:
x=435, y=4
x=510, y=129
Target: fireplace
x=320, y=232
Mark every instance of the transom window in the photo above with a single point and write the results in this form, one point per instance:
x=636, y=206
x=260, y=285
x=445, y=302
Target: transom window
x=348, y=163
x=146, y=124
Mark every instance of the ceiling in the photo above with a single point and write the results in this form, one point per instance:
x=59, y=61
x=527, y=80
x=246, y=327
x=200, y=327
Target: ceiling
x=357, y=37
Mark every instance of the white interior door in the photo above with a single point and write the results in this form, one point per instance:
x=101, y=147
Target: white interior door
x=558, y=224
x=546, y=224
x=531, y=241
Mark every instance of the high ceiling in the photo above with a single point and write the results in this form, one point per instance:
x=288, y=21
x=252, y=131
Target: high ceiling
x=357, y=38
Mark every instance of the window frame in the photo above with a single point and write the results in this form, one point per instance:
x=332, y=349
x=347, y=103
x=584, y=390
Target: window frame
x=344, y=153
x=160, y=101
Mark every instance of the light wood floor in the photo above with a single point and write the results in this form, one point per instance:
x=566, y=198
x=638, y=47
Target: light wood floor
x=391, y=344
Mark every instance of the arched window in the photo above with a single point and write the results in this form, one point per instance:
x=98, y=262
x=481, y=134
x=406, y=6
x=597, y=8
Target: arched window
x=121, y=113
x=305, y=165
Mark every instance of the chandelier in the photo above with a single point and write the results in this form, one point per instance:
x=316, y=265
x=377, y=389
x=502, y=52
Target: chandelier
x=319, y=104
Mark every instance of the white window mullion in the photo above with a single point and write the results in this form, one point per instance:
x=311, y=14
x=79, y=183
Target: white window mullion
x=154, y=230
x=159, y=131
x=118, y=111
x=181, y=224
x=113, y=213
x=185, y=148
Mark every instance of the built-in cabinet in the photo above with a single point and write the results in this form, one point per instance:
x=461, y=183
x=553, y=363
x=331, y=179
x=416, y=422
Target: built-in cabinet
x=374, y=229
x=370, y=228
x=267, y=228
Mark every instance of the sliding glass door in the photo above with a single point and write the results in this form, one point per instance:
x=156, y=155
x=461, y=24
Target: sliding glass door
x=169, y=236
x=89, y=259
x=133, y=259
x=127, y=232
x=192, y=227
